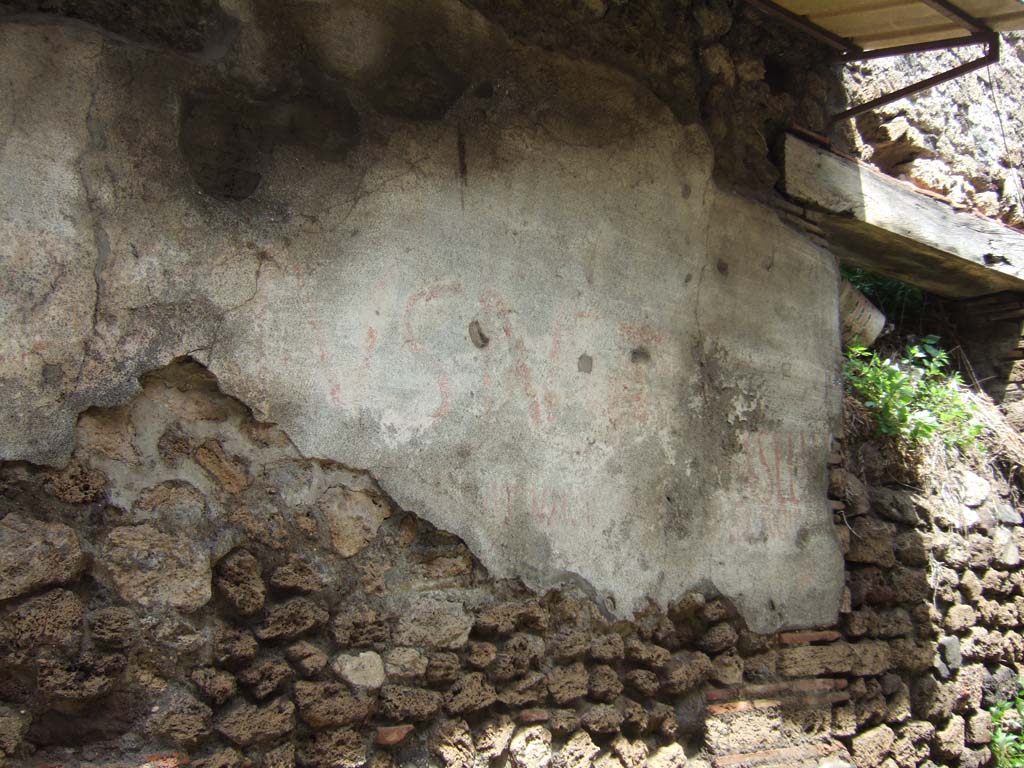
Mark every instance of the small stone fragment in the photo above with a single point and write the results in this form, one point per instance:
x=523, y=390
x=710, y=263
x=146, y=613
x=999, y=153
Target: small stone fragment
x=113, y=627
x=577, y=752
x=602, y=718
x=238, y=579
x=643, y=681
x=13, y=727
x=360, y=625
x=323, y=705
x=632, y=754
x=452, y=742
x=52, y=619
x=245, y=724
x=153, y=569
x=335, y=748
x=229, y=472
x=653, y=656
x=215, y=684
x=568, y=644
x=443, y=668
x=233, y=647
x=531, y=747
x=607, y=648
x=405, y=664
x=352, y=517
x=567, y=684
x=948, y=743
x=35, y=554
x=291, y=619
x=399, y=702
x=77, y=484
x=265, y=676
x=480, y=655
x=86, y=677
x=391, y=735
x=364, y=670
x=531, y=688
x=871, y=747
x=434, y=623
x=719, y=638
x=470, y=693
x=685, y=672
x=296, y=575
x=180, y=719
x=494, y=737
x=308, y=659
x=604, y=683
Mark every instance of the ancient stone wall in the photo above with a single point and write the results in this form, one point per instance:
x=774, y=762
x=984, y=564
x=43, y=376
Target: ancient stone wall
x=191, y=590
x=930, y=634
x=502, y=279
x=963, y=139
x=190, y=586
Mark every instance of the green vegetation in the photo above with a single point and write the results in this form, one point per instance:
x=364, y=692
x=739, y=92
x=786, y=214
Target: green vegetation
x=1007, y=723
x=894, y=298
x=915, y=397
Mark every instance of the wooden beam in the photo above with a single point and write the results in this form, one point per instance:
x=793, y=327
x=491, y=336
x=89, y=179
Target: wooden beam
x=881, y=224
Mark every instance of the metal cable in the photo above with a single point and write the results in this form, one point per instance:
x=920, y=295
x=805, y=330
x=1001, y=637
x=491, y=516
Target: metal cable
x=997, y=104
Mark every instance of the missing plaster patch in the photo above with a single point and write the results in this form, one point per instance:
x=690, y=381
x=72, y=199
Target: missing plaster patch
x=585, y=364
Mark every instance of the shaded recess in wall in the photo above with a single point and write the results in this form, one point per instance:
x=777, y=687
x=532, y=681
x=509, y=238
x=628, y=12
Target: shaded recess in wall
x=711, y=61
x=224, y=138
x=199, y=27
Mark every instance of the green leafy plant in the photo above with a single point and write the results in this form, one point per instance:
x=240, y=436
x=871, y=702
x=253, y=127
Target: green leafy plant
x=891, y=296
x=1007, y=724
x=915, y=397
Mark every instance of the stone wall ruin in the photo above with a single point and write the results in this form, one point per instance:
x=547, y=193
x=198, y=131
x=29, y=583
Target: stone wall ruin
x=398, y=384
x=502, y=279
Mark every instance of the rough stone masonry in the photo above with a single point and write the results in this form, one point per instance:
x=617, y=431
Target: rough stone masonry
x=500, y=279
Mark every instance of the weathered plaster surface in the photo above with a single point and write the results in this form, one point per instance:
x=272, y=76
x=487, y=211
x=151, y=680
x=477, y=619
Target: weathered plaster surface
x=536, y=321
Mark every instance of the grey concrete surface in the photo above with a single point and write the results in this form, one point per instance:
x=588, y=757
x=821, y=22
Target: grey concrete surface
x=535, y=320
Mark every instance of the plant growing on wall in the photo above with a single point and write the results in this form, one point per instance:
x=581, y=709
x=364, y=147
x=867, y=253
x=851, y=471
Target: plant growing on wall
x=914, y=397
x=1007, y=723
x=893, y=297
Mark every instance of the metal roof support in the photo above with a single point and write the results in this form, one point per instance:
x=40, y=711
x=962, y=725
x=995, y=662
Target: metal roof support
x=903, y=50
x=991, y=40
x=980, y=34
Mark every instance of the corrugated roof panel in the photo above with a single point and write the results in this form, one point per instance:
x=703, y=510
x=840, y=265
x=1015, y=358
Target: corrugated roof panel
x=874, y=24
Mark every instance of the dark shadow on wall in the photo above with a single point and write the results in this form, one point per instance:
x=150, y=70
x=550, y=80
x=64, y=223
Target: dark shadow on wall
x=990, y=330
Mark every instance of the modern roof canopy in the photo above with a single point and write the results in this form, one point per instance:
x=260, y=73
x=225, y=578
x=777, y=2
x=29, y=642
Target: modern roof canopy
x=870, y=29
x=871, y=25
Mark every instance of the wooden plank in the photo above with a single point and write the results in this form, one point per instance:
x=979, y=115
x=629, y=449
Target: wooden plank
x=876, y=222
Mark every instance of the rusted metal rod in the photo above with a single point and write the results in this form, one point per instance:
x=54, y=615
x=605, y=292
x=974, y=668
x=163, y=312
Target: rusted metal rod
x=991, y=57
x=904, y=50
